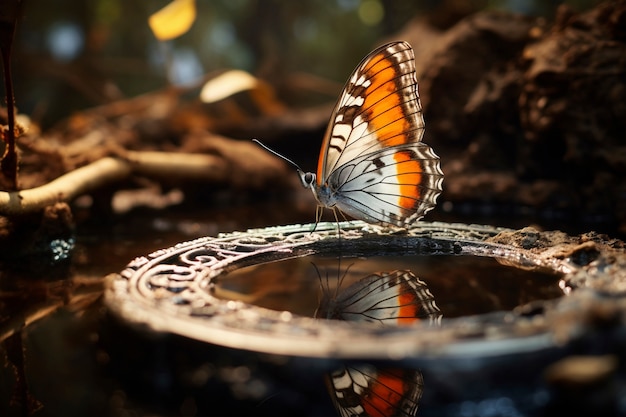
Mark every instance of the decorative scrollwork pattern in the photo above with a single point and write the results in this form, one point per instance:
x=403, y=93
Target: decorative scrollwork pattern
x=170, y=290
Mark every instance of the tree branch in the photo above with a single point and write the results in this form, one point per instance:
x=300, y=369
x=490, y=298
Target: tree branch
x=108, y=170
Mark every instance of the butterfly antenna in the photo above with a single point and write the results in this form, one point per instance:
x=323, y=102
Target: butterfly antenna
x=319, y=275
x=277, y=154
x=325, y=290
x=341, y=277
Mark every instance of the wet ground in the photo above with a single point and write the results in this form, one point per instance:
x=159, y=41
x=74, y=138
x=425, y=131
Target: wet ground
x=64, y=355
x=52, y=316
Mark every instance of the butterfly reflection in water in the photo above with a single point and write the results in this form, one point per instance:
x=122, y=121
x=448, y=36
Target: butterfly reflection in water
x=390, y=299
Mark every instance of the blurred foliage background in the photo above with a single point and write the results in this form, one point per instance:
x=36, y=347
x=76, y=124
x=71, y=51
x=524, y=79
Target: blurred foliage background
x=79, y=53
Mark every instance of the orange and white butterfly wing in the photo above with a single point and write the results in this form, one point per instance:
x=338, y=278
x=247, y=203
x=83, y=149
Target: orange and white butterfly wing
x=368, y=391
x=395, y=185
x=391, y=299
x=379, y=107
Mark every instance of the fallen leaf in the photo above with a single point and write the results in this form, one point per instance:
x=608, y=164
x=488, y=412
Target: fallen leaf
x=173, y=20
x=226, y=85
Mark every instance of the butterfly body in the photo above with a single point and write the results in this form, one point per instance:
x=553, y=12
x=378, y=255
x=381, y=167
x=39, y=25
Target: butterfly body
x=373, y=165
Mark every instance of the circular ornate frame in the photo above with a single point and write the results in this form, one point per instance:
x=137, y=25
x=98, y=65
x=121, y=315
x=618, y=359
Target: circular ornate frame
x=170, y=291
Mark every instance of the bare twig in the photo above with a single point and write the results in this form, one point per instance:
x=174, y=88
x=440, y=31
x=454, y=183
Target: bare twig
x=108, y=170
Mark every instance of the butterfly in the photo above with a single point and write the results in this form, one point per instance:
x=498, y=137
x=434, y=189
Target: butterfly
x=373, y=165
x=364, y=390
x=389, y=299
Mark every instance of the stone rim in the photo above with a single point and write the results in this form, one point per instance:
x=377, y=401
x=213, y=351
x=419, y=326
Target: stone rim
x=168, y=291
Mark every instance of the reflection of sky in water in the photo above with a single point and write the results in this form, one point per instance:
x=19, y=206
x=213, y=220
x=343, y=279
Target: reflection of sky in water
x=65, y=40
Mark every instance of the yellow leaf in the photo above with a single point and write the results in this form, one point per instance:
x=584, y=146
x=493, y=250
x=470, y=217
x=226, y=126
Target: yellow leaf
x=173, y=20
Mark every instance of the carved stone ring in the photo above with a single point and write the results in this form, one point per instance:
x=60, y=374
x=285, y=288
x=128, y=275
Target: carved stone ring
x=171, y=290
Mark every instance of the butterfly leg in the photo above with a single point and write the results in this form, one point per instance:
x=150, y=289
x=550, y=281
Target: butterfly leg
x=319, y=211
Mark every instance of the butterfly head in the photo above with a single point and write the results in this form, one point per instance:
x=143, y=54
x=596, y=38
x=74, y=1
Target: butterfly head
x=307, y=179
x=323, y=192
